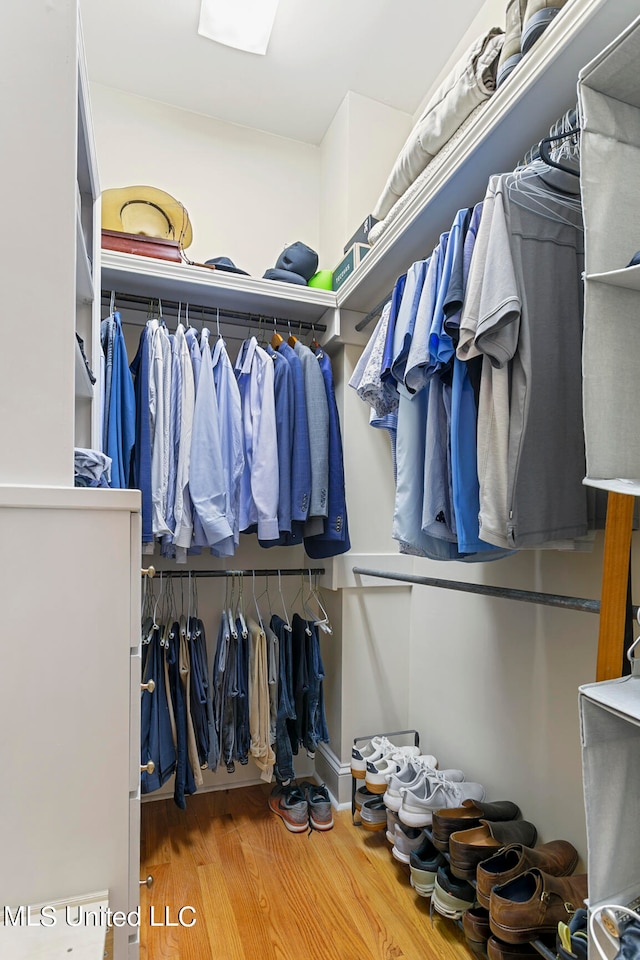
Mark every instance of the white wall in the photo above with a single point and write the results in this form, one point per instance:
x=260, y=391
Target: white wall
x=357, y=152
x=248, y=193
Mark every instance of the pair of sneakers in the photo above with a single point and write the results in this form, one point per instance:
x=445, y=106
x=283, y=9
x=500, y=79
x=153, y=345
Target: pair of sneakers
x=411, y=775
x=302, y=806
x=373, y=752
x=380, y=772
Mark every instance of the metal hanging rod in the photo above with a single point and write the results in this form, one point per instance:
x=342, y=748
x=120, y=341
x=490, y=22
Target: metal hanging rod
x=289, y=572
x=377, y=310
x=235, y=317
x=506, y=593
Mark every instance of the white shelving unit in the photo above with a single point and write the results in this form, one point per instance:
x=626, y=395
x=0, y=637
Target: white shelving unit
x=87, y=263
x=541, y=89
x=148, y=277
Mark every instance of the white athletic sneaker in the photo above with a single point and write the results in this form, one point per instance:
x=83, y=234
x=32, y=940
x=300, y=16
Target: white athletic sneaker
x=379, y=771
x=410, y=776
x=375, y=749
x=435, y=793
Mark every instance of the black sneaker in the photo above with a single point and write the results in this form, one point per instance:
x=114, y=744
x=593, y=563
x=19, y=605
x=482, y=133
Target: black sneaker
x=451, y=896
x=424, y=863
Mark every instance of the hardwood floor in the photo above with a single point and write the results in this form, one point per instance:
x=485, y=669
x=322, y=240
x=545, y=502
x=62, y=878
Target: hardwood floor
x=262, y=893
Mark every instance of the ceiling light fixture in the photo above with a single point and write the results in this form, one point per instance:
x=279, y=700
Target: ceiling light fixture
x=243, y=24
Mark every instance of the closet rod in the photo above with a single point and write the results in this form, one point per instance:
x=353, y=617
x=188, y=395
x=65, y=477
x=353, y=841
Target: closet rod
x=289, y=572
x=361, y=324
x=506, y=593
x=235, y=317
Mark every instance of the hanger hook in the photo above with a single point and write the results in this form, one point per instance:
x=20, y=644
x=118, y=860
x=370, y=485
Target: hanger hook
x=179, y=309
x=112, y=303
x=186, y=315
x=218, y=320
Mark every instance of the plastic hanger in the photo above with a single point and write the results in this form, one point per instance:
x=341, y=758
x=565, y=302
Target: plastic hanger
x=276, y=339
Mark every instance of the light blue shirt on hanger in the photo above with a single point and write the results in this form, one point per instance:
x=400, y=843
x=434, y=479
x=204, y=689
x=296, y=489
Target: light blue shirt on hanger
x=260, y=488
x=230, y=420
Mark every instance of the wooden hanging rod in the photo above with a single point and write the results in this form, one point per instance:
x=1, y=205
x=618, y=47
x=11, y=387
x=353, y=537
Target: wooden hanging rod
x=506, y=593
x=197, y=312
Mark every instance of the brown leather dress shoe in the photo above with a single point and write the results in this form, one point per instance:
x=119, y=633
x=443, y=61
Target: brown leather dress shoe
x=532, y=905
x=475, y=923
x=449, y=819
x=498, y=950
x=558, y=858
x=468, y=848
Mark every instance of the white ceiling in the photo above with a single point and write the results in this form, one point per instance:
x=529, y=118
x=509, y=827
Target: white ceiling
x=389, y=50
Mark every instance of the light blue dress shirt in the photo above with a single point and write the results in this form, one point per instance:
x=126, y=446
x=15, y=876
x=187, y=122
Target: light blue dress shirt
x=260, y=488
x=207, y=485
x=230, y=419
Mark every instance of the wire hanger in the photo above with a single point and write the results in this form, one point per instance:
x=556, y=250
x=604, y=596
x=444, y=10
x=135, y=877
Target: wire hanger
x=255, y=601
x=240, y=607
x=276, y=339
x=286, y=615
x=313, y=595
x=232, y=619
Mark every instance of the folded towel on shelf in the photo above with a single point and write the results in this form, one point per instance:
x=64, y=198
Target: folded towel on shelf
x=471, y=81
x=428, y=174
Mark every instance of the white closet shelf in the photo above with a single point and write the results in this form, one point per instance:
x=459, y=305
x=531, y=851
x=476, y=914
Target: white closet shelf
x=615, y=485
x=87, y=164
x=153, y=278
x=627, y=278
x=540, y=90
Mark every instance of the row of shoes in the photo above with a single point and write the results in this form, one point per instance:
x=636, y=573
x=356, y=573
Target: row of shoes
x=302, y=807
x=477, y=860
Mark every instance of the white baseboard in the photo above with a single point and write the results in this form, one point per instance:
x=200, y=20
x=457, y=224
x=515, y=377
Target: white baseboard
x=335, y=774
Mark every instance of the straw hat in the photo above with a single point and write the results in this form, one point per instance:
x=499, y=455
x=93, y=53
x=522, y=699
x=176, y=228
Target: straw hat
x=147, y=211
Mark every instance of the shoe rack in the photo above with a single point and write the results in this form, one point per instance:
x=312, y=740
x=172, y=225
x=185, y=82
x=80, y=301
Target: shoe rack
x=366, y=739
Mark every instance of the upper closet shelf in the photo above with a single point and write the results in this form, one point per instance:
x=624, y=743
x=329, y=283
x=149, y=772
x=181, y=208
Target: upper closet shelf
x=628, y=278
x=540, y=90
x=615, y=485
x=127, y=273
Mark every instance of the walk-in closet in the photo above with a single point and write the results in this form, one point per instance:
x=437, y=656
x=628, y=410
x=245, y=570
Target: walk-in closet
x=318, y=479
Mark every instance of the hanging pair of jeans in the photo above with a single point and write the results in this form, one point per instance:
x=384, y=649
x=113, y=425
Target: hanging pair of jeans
x=201, y=706
x=156, y=740
x=229, y=695
x=284, y=771
x=184, y=781
x=314, y=721
x=299, y=640
x=217, y=685
x=242, y=731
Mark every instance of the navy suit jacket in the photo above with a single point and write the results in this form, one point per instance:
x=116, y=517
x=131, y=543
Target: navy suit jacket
x=335, y=538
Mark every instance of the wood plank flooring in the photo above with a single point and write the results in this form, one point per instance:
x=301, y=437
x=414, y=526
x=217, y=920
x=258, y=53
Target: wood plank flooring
x=262, y=893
